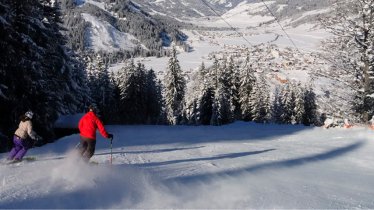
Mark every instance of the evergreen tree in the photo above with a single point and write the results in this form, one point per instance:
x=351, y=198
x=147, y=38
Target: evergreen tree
x=175, y=86
x=125, y=83
x=206, y=96
x=299, y=109
x=247, y=82
x=206, y=106
x=277, y=106
x=260, y=101
x=113, y=114
x=133, y=90
x=287, y=102
x=193, y=96
x=256, y=103
x=351, y=51
x=234, y=85
x=310, y=107
x=100, y=85
x=227, y=90
x=216, y=114
x=153, y=98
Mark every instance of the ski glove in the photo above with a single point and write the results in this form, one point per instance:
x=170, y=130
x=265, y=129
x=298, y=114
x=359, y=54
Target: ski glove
x=38, y=138
x=37, y=141
x=110, y=136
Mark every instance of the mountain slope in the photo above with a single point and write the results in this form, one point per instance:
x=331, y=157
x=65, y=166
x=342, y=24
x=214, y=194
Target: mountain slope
x=117, y=27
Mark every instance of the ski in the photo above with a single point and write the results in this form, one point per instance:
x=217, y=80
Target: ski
x=18, y=162
x=29, y=158
x=93, y=163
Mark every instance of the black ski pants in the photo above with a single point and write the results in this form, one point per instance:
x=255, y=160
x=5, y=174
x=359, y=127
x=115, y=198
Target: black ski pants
x=87, y=148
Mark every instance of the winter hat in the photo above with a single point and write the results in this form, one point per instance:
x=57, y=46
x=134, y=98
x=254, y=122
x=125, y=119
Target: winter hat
x=29, y=114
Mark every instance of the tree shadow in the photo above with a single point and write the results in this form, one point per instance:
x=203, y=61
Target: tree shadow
x=150, y=151
x=277, y=164
x=218, y=157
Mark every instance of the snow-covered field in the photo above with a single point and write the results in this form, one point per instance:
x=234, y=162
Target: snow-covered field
x=241, y=165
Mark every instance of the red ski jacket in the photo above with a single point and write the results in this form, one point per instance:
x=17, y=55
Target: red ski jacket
x=88, y=125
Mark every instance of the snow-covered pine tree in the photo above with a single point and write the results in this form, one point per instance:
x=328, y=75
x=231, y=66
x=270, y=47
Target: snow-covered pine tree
x=206, y=106
x=260, y=101
x=175, y=86
x=299, y=109
x=255, y=103
x=78, y=85
x=154, y=100
x=142, y=94
x=205, y=97
x=310, y=107
x=113, y=115
x=224, y=93
x=268, y=109
x=123, y=82
x=287, y=100
x=216, y=118
x=222, y=111
x=191, y=113
x=133, y=90
x=100, y=85
x=247, y=82
x=198, y=90
x=234, y=85
x=351, y=51
x=277, y=108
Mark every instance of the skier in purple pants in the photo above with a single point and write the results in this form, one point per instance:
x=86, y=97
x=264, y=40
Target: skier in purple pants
x=23, y=139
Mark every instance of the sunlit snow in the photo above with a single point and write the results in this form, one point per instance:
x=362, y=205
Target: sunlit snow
x=242, y=165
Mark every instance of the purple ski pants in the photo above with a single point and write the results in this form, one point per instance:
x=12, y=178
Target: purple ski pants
x=20, y=148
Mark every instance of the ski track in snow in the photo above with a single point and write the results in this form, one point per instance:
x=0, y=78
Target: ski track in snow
x=242, y=165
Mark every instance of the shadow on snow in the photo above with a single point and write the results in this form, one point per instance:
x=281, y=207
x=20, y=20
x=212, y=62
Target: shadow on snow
x=277, y=164
x=150, y=151
x=225, y=156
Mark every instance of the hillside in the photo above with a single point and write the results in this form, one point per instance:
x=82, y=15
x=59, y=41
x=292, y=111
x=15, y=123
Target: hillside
x=120, y=28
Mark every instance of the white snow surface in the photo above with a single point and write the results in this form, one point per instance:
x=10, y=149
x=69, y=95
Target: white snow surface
x=236, y=166
x=101, y=5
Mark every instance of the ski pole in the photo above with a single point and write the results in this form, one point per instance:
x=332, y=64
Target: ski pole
x=111, y=149
x=77, y=146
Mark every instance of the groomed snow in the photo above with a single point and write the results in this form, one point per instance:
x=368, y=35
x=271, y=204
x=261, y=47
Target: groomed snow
x=236, y=166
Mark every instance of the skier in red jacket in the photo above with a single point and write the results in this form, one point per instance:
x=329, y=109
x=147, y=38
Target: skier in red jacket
x=87, y=128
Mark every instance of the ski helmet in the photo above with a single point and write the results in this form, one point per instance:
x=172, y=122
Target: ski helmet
x=29, y=114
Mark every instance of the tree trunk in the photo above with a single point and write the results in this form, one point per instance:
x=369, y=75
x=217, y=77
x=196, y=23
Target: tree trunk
x=367, y=90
